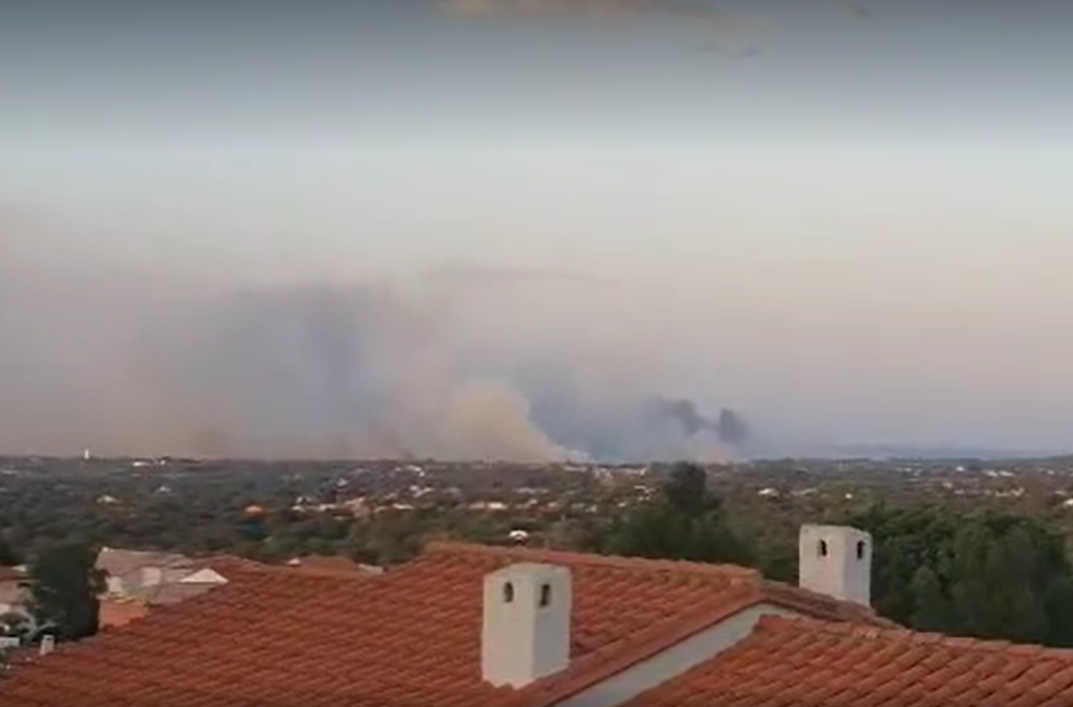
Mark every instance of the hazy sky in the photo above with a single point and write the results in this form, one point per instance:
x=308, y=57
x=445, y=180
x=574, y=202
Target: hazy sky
x=863, y=233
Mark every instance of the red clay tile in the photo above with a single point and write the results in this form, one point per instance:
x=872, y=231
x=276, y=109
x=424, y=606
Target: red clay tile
x=272, y=637
x=114, y=613
x=407, y=638
x=811, y=663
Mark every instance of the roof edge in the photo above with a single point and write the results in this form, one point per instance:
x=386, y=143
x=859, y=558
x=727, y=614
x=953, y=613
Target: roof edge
x=806, y=601
x=780, y=624
x=567, y=557
x=616, y=658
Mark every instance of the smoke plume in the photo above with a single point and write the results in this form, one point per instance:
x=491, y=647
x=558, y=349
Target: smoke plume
x=459, y=362
x=726, y=32
x=593, y=10
x=729, y=428
x=697, y=11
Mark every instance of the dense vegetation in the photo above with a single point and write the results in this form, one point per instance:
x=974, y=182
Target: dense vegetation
x=984, y=570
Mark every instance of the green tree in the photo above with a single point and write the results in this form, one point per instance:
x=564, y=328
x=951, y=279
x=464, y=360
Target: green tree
x=8, y=556
x=685, y=522
x=389, y=539
x=932, y=610
x=987, y=575
x=64, y=586
x=1002, y=572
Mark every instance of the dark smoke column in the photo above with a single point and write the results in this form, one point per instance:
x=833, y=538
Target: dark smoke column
x=731, y=427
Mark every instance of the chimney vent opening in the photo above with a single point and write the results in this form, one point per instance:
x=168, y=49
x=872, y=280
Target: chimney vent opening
x=860, y=549
x=545, y=595
x=508, y=593
x=823, y=548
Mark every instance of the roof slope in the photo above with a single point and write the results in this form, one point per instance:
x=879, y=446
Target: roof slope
x=117, y=562
x=329, y=565
x=807, y=663
x=113, y=613
x=407, y=638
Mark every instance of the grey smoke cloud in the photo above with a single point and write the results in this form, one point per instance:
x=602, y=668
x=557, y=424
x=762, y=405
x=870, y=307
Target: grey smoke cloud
x=727, y=32
x=705, y=15
x=730, y=428
x=698, y=10
x=856, y=8
x=457, y=362
x=583, y=9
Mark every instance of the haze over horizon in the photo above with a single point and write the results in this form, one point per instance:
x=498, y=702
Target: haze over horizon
x=358, y=228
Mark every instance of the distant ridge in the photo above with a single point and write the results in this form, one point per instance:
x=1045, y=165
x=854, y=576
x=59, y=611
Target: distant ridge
x=895, y=451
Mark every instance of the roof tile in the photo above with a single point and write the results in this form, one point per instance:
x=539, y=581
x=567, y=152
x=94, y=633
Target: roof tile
x=408, y=637
x=807, y=663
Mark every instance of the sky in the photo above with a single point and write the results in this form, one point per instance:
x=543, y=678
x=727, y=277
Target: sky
x=856, y=234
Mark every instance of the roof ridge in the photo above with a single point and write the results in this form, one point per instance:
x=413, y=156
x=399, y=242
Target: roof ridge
x=778, y=624
x=594, y=559
x=793, y=594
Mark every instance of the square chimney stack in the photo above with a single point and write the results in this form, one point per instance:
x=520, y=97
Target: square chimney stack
x=526, y=629
x=837, y=561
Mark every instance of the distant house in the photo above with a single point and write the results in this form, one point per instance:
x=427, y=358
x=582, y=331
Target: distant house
x=130, y=574
x=16, y=618
x=13, y=595
x=475, y=626
x=119, y=612
x=139, y=580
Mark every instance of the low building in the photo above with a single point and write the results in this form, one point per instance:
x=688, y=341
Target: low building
x=13, y=593
x=139, y=581
x=475, y=626
x=131, y=574
x=16, y=617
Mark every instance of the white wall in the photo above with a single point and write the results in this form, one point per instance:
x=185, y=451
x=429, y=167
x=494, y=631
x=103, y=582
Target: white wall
x=673, y=661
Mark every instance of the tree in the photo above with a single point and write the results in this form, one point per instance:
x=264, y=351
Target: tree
x=988, y=575
x=932, y=611
x=904, y=540
x=8, y=556
x=686, y=522
x=64, y=586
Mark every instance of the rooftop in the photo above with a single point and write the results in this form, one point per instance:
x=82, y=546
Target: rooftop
x=802, y=662
x=411, y=638
x=118, y=562
x=408, y=637
x=12, y=575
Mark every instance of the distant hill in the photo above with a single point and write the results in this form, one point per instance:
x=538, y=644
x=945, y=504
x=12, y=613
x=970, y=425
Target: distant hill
x=896, y=451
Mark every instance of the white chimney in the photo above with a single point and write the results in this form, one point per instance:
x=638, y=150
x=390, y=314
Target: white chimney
x=526, y=630
x=48, y=644
x=837, y=561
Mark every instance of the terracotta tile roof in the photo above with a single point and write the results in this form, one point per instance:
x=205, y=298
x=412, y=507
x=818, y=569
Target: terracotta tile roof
x=119, y=611
x=327, y=565
x=113, y=613
x=12, y=574
x=407, y=638
x=231, y=567
x=175, y=592
x=808, y=663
